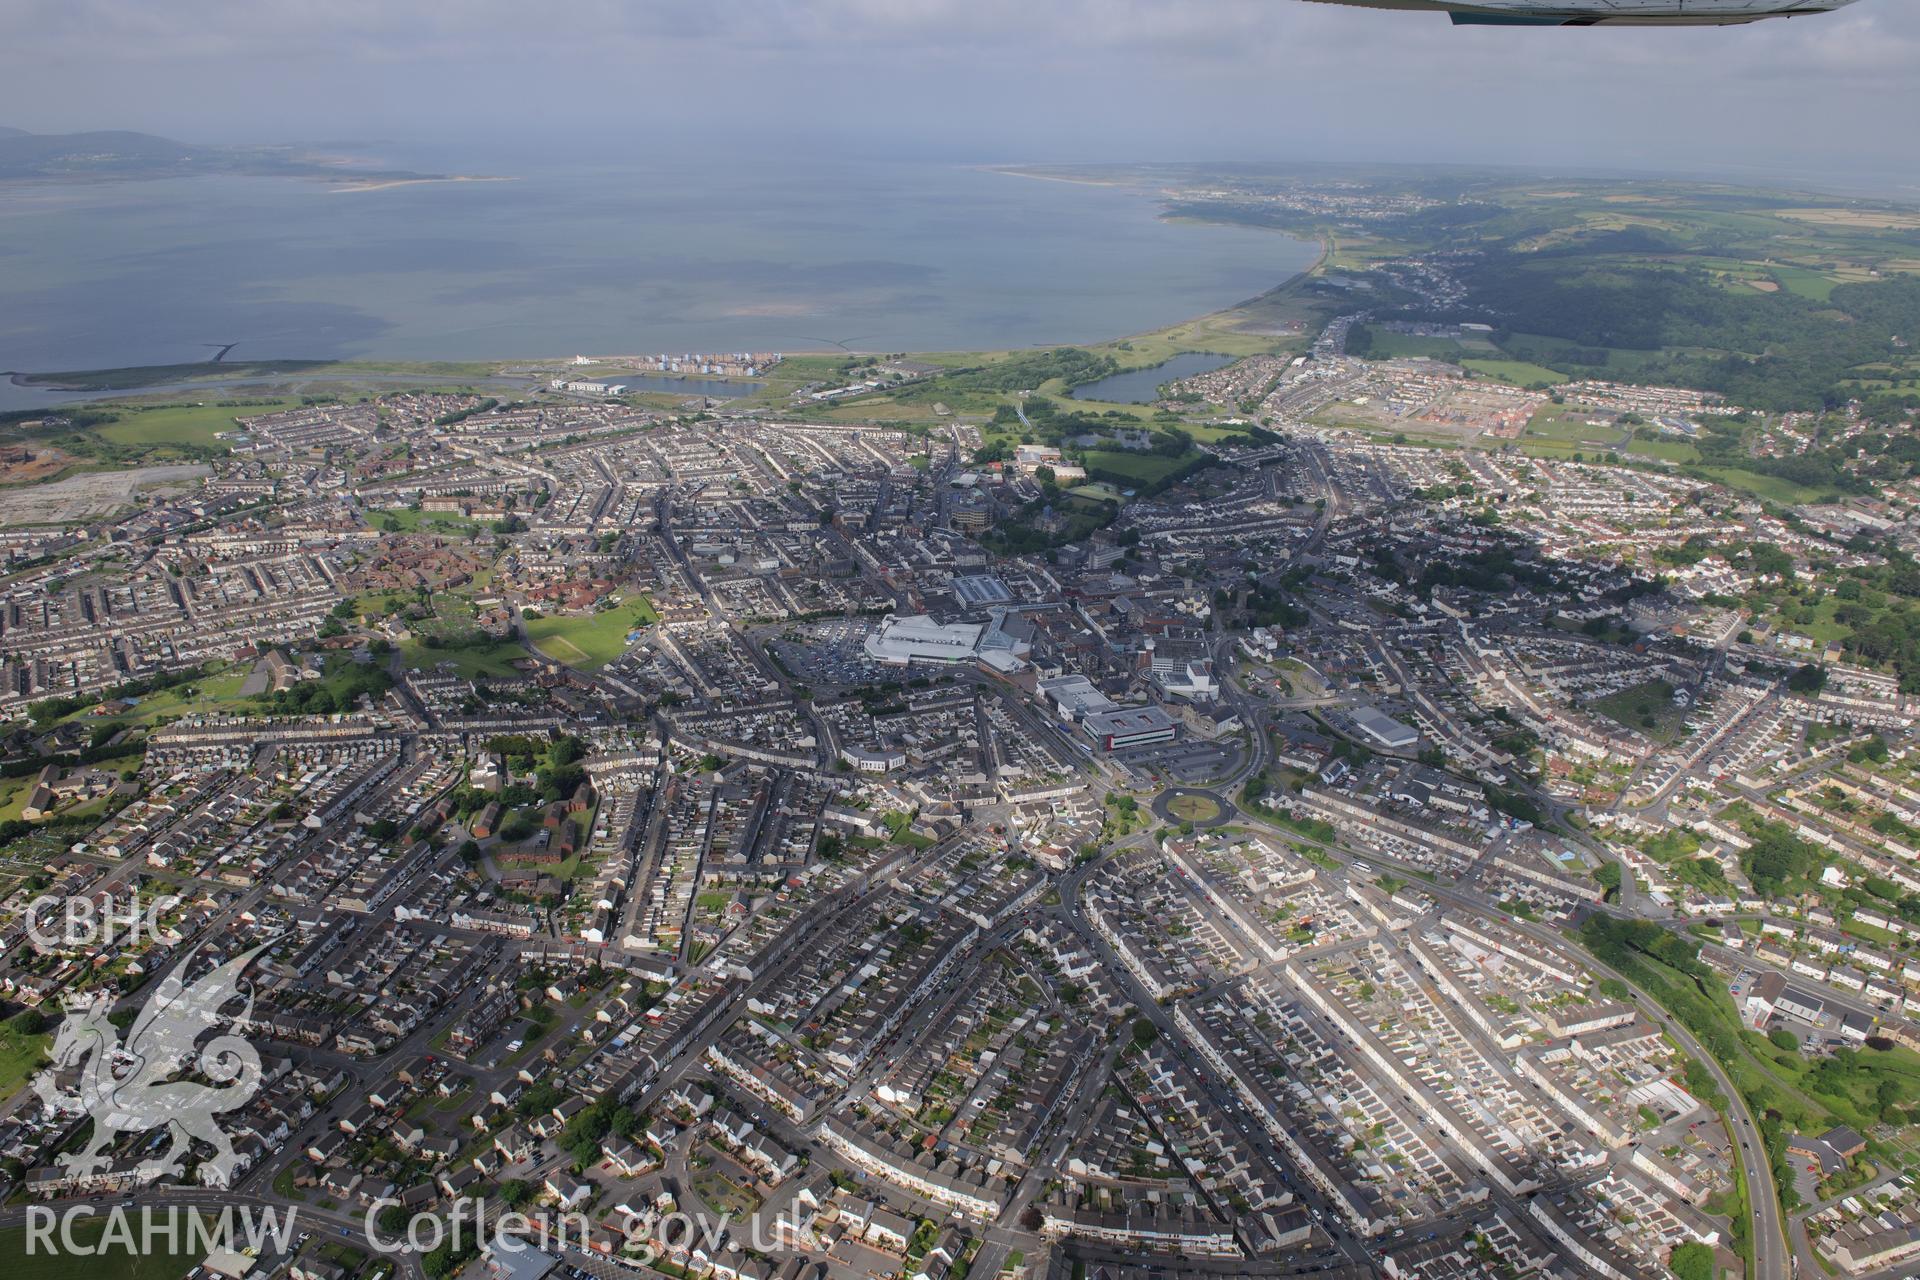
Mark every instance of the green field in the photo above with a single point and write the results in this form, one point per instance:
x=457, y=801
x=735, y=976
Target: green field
x=1767, y=488
x=1534, y=348
x=493, y=660
x=1390, y=345
x=20, y=1056
x=590, y=641
x=217, y=692
x=1666, y=448
x=110, y=1263
x=1520, y=373
x=409, y=520
x=13, y=794
x=1141, y=468
x=1401, y=345
x=1567, y=425
x=1808, y=284
x=1647, y=708
x=195, y=425
x=1206, y=433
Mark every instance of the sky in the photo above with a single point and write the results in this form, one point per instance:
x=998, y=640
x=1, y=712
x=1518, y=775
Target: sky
x=1829, y=98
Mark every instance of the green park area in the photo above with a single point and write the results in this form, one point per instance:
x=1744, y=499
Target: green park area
x=592, y=640
x=724, y=1195
x=474, y=657
x=1647, y=708
x=13, y=794
x=22, y=1047
x=410, y=520
x=216, y=691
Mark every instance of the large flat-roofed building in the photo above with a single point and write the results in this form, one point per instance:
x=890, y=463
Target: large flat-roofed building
x=979, y=589
x=1130, y=727
x=1075, y=697
x=918, y=638
x=1383, y=729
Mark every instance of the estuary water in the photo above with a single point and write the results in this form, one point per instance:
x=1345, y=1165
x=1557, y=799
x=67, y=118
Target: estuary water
x=605, y=257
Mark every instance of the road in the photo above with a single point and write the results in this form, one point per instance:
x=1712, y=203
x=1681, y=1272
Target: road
x=1772, y=1251
x=261, y=1216
x=1349, y=1248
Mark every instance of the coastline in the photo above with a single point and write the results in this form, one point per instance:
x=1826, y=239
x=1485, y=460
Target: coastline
x=1111, y=184
x=208, y=377
x=382, y=184
x=52, y=390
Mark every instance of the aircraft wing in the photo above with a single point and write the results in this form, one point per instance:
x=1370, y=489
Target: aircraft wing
x=1595, y=13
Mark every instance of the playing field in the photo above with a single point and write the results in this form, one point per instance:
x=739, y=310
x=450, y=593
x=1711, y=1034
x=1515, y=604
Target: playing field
x=590, y=641
x=1145, y=468
x=1565, y=424
x=111, y=1263
x=564, y=649
x=185, y=424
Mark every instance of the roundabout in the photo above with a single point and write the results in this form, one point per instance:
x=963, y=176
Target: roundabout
x=1187, y=804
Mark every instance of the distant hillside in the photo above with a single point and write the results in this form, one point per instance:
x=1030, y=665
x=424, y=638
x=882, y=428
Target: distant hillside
x=46, y=155
x=119, y=153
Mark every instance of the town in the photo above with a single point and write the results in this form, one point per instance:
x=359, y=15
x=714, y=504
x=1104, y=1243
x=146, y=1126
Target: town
x=1238, y=839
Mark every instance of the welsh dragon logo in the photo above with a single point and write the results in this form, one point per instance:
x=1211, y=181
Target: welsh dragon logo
x=129, y=1086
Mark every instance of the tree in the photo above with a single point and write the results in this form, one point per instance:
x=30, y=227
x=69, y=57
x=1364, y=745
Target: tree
x=440, y=1262
x=1692, y=1261
x=1887, y=1096
x=1784, y=1039
x=1608, y=874
x=1808, y=679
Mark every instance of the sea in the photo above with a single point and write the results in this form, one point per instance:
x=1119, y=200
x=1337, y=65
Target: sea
x=601, y=256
